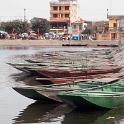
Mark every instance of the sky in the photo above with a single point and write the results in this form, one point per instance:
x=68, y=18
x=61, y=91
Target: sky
x=90, y=10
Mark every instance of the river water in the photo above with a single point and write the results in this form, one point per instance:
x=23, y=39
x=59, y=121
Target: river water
x=15, y=108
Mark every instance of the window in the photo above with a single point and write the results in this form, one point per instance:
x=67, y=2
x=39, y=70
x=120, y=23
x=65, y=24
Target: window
x=61, y=15
x=66, y=15
x=55, y=15
x=55, y=8
x=60, y=8
x=80, y=27
x=74, y=26
x=115, y=25
x=66, y=7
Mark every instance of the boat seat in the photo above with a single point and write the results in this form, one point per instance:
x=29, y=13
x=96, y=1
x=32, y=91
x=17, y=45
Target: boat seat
x=100, y=93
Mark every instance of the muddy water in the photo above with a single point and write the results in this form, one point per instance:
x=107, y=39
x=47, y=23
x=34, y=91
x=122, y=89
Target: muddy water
x=15, y=108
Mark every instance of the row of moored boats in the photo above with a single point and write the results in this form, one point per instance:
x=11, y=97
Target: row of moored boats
x=84, y=79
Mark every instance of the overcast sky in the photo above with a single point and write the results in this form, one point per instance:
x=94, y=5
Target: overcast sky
x=91, y=10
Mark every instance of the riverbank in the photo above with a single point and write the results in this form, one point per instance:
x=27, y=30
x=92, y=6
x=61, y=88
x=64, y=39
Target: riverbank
x=45, y=43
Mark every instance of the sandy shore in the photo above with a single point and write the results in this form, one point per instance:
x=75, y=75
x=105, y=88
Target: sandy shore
x=20, y=42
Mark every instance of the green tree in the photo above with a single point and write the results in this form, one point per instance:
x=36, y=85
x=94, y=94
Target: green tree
x=87, y=31
x=17, y=25
x=43, y=26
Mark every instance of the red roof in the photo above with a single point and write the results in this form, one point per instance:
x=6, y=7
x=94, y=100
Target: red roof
x=81, y=20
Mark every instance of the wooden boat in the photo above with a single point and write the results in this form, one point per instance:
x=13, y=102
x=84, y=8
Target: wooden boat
x=73, y=57
x=22, y=64
x=108, y=45
x=21, y=68
x=108, y=96
x=78, y=78
x=48, y=92
x=54, y=64
x=54, y=73
x=74, y=44
x=60, y=66
x=39, y=93
x=78, y=66
x=28, y=68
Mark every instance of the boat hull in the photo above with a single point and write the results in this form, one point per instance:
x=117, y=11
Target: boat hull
x=74, y=73
x=32, y=94
x=94, y=102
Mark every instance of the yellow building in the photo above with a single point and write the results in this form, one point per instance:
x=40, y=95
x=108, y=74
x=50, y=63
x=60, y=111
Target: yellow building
x=114, y=21
x=62, y=14
x=113, y=32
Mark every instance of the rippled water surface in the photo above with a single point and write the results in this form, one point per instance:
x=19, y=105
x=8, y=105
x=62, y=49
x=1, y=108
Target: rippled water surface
x=15, y=108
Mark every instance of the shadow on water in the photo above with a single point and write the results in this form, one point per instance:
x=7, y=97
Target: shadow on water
x=41, y=112
x=110, y=116
x=27, y=79
x=114, y=116
x=81, y=116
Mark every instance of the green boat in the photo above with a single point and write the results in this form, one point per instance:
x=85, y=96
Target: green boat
x=22, y=64
x=108, y=96
x=48, y=92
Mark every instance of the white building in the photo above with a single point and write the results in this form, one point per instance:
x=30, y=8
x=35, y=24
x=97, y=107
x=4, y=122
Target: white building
x=77, y=28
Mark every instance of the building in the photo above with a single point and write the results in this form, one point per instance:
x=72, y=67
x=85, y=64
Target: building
x=62, y=14
x=114, y=21
x=77, y=28
x=34, y=19
x=100, y=30
x=113, y=32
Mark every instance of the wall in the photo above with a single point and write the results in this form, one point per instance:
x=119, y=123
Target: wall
x=103, y=36
x=74, y=12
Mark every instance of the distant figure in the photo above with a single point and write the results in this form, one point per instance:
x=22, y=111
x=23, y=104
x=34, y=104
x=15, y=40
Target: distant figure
x=90, y=38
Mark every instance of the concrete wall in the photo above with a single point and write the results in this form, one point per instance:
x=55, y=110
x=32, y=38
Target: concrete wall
x=103, y=36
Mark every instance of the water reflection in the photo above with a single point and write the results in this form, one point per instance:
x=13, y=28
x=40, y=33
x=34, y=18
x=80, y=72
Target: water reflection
x=113, y=116
x=78, y=116
x=26, y=79
x=39, y=112
x=13, y=47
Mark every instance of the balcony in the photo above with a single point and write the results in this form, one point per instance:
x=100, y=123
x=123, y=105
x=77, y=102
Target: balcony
x=58, y=18
x=113, y=29
x=59, y=11
x=57, y=28
x=58, y=25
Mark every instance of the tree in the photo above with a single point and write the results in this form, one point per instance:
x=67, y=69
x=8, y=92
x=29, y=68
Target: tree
x=43, y=26
x=87, y=31
x=100, y=26
x=17, y=25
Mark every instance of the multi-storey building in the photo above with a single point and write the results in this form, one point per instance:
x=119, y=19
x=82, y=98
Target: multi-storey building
x=114, y=21
x=113, y=32
x=62, y=14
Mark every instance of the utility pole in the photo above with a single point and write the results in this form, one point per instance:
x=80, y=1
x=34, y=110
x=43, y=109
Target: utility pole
x=119, y=42
x=24, y=14
x=121, y=28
